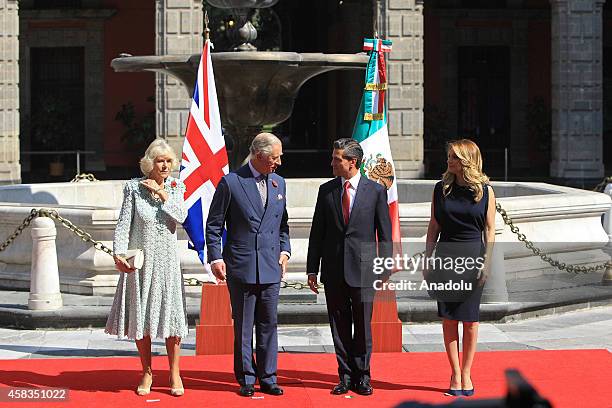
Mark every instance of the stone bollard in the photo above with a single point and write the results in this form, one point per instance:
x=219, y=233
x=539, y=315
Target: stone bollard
x=607, y=224
x=44, y=278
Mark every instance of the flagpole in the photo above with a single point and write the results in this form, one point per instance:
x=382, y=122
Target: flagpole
x=376, y=10
x=206, y=29
x=214, y=330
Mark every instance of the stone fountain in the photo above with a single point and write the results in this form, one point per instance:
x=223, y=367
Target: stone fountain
x=255, y=88
x=259, y=88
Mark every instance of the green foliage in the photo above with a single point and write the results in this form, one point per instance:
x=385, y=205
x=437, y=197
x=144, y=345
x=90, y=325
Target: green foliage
x=52, y=124
x=139, y=131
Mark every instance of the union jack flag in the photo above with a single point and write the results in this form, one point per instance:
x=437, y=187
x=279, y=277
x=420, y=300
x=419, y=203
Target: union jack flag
x=204, y=159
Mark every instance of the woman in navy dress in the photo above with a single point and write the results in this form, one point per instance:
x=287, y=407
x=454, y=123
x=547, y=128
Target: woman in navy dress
x=462, y=227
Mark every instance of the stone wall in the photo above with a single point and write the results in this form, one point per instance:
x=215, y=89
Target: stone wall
x=10, y=170
x=178, y=30
x=402, y=23
x=577, y=115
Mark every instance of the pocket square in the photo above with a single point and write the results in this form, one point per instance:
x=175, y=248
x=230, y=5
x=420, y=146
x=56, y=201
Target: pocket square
x=280, y=196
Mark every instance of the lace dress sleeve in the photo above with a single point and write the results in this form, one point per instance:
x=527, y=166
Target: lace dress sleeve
x=122, y=231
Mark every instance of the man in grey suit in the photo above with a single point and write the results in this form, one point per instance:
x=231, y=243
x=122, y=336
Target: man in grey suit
x=351, y=226
x=251, y=204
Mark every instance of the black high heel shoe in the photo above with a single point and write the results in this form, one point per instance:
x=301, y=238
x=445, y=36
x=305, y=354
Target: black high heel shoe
x=453, y=393
x=468, y=393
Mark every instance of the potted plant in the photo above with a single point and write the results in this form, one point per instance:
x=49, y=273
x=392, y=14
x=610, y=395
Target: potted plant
x=53, y=129
x=139, y=132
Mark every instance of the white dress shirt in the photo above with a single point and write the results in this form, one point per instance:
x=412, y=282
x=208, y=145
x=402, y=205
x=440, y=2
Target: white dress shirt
x=253, y=170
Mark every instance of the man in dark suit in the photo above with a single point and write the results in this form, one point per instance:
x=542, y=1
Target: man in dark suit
x=351, y=225
x=251, y=204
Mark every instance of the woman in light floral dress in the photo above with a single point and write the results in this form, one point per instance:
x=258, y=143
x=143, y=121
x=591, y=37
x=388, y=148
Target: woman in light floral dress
x=150, y=302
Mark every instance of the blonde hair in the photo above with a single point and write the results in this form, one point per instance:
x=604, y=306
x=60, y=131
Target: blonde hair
x=158, y=147
x=469, y=155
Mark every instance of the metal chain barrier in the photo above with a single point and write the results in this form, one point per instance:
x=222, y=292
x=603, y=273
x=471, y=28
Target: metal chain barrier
x=25, y=224
x=86, y=237
x=601, y=186
x=283, y=284
x=543, y=255
x=84, y=177
x=43, y=212
x=298, y=285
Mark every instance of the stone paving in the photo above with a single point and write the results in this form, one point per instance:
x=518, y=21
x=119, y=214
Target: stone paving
x=584, y=329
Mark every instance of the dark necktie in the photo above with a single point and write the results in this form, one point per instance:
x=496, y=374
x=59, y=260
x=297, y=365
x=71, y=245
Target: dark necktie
x=346, y=202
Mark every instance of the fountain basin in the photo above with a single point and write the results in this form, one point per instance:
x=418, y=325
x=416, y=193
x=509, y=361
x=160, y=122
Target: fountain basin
x=566, y=220
x=254, y=88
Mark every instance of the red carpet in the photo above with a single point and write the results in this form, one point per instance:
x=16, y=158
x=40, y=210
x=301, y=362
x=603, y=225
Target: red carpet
x=568, y=378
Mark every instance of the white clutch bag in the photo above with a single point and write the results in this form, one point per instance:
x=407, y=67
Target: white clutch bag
x=135, y=257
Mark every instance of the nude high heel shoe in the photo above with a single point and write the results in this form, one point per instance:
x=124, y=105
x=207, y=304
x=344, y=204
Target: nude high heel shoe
x=144, y=390
x=176, y=392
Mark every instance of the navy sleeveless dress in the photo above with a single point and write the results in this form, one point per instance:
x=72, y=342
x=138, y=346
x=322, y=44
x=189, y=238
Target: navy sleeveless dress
x=462, y=222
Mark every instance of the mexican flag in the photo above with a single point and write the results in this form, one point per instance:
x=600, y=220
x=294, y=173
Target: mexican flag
x=371, y=129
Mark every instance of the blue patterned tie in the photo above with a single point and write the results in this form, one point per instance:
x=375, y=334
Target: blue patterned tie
x=262, y=186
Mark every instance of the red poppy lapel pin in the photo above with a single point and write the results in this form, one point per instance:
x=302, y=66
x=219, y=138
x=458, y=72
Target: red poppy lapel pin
x=173, y=184
x=274, y=183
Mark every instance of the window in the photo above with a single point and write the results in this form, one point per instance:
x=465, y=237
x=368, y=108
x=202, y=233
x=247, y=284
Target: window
x=484, y=95
x=56, y=4
x=57, y=99
x=483, y=4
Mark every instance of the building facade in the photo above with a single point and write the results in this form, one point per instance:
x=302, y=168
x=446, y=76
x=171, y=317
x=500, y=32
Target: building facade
x=529, y=80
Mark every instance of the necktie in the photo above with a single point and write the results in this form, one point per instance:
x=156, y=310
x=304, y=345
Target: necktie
x=346, y=202
x=263, y=188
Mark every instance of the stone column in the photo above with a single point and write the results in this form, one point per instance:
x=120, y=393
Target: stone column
x=178, y=31
x=577, y=122
x=10, y=170
x=403, y=24
x=94, y=95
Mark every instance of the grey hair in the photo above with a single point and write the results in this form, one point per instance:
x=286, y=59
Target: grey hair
x=158, y=147
x=263, y=142
x=352, y=149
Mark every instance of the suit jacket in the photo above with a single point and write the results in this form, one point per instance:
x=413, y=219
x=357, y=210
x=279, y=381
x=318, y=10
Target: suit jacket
x=255, y=236
x=347, y=251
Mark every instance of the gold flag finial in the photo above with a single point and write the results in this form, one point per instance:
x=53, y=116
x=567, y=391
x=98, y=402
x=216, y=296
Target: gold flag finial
x=206, y=29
